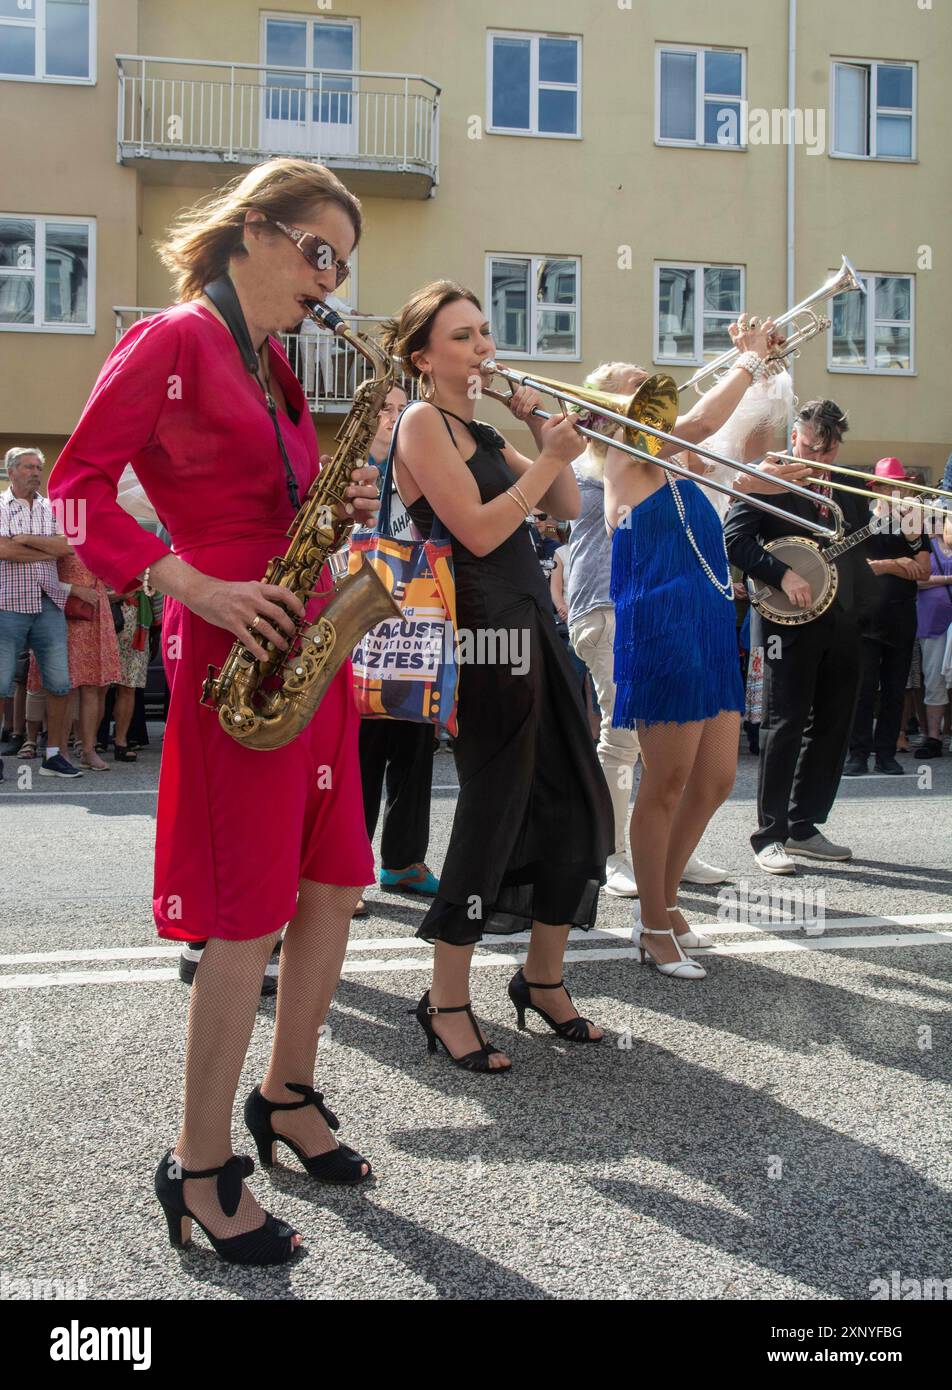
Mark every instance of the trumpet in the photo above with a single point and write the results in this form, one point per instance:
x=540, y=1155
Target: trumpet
x=646, y=418
x=844, y=281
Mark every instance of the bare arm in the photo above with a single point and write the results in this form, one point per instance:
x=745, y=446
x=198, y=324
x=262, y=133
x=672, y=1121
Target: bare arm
x=906, y=567
x=51, y=546
x=563, y=499
x=718, y=404
x=557, y=588
x=19, y=551
x=425, y=450
x=713, y=410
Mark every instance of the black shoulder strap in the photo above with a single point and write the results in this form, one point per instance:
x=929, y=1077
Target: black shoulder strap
x=449, y=431
x=222, y=294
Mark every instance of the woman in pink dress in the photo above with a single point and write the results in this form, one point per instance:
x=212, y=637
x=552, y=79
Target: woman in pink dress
x=246, y=840
x=93, y=655
x=93, y=658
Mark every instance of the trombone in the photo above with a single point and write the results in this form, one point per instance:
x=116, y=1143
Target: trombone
x=867, y=477
x=844, y=281
x=647, y=416
x=937, y=509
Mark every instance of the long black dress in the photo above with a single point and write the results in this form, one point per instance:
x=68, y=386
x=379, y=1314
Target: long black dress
x=534, y=822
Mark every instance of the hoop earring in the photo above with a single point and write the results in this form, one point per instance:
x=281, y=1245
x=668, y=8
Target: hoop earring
x=426, y=386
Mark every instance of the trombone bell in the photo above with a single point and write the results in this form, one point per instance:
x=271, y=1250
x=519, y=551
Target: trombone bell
x=655, y=403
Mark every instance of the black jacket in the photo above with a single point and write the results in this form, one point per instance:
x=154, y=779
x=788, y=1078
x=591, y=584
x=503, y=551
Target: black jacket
x=747, y=529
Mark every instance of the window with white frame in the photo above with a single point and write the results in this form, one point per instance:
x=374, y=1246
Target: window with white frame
x=534, y=304
x=874, y=110
x=698, y=95
x=47, y=273
x=873, y=332
x=534, y=83
x=693, y=306
x=48, y=40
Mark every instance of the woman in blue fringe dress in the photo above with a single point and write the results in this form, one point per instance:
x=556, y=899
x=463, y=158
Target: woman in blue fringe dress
x=677, y=672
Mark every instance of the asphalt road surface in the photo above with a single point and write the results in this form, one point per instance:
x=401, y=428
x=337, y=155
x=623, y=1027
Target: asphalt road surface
x=777, y=1131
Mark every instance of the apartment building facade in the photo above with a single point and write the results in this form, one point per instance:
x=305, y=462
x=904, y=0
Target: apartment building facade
x=616, y=180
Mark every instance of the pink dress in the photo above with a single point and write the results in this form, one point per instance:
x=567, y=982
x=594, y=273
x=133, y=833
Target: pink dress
x=92, y=646
x=236, y=828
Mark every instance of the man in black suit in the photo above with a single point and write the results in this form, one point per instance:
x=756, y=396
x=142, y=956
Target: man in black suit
x=812, y=672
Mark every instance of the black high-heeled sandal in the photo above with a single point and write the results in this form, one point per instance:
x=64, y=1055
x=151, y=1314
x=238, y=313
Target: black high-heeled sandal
x=573, y=1029
x=340, y=1165
x=478, y=1059
x=269, y=1244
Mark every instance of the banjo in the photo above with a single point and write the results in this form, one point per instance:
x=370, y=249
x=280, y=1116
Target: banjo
x=813, y=564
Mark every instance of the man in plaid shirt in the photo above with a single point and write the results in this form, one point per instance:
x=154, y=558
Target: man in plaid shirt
x=32, y=598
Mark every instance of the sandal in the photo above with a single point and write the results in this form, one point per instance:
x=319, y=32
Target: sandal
x=271, y=1243
x=478, y=1059
x=27, y=748
x=123, y=754
x=573, y=1029
x=339, y=1165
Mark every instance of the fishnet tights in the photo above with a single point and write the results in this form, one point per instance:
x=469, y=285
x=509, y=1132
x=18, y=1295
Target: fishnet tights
x=222, y=1009
x=311, y=960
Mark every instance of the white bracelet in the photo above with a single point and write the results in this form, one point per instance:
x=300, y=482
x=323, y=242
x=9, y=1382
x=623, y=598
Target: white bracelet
x=147, y=588
x=753, y=363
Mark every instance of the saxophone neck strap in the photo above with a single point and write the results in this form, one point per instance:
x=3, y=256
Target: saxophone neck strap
x=222, y=294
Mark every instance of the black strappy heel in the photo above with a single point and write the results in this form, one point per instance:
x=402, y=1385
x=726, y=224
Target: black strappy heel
x=340, y=1165
x=478, y=1059
x=573, y=1029
x=269, y=1244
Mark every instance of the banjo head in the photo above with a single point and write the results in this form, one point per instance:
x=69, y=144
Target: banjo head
x=807, y=559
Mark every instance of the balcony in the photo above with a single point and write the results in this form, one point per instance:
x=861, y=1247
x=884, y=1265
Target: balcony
x=182, y=119
x=328, y=368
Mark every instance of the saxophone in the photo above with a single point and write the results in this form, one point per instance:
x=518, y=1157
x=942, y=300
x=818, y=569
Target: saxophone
x=261, y=716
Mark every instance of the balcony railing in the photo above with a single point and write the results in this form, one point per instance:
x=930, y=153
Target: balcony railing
x=328, y=368
x=374, y=123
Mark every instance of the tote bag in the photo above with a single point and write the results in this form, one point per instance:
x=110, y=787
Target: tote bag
x=406, y=668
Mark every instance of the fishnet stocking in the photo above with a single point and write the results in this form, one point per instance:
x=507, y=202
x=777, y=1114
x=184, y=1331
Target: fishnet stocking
x=224, y=1000
x=311, y=960
x=688, y=771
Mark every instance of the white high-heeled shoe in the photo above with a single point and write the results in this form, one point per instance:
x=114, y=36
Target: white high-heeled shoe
x=682, y=969
x=690, y=940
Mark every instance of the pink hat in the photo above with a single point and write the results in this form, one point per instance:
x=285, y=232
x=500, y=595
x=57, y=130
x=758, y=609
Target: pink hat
x=889, y=468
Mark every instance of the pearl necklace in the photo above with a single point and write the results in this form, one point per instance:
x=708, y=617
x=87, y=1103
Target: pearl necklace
x=724, y=587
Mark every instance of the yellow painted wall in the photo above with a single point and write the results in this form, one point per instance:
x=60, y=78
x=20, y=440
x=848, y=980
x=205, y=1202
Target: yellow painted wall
x=611, y=189
x=59, y=157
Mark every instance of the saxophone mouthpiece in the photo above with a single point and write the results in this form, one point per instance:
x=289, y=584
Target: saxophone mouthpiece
x=325, y=315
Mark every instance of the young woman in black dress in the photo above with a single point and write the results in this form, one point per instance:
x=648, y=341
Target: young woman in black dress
x=533, y=824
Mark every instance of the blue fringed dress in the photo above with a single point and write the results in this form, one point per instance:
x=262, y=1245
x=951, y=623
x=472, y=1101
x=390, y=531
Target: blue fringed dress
x=676, y=657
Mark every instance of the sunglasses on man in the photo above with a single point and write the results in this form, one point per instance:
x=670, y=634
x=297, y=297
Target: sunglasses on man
x=315, y=250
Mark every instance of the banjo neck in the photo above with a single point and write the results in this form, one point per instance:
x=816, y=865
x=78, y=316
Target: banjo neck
x=838, y=548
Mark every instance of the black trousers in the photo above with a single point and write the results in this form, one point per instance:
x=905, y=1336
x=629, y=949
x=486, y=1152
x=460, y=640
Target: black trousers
x=811, y=681
x=885, y=672
x=401, y=753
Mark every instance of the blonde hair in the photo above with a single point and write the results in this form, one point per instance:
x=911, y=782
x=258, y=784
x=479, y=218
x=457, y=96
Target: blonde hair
x=410, y=331
x=610, y=376
x=202, y=239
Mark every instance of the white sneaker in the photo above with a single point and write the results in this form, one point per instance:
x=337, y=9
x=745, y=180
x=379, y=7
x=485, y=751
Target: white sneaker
x=620, y=882
x=696, y=871
x=774, y=859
